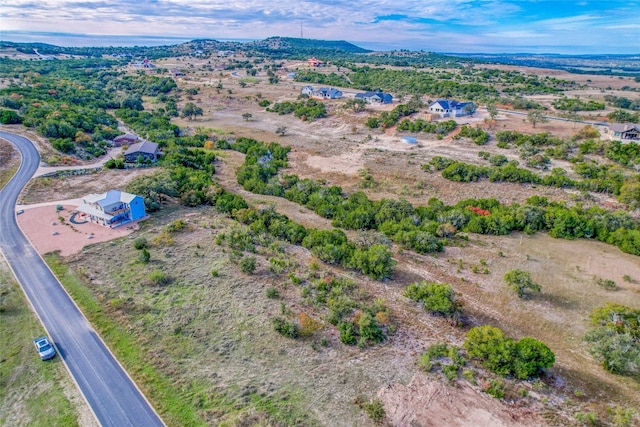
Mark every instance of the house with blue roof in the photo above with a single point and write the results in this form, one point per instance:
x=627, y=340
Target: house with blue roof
x=452, y=108
x=375, y=97
x=322, y=93
x=112, y=209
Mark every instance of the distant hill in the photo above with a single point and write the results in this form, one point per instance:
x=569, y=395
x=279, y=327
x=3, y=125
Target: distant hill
x=620, y=65
x=290, y=45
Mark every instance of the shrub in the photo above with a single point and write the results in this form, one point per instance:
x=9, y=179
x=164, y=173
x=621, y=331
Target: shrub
x=140, y=243
x=288, y=329
x=615, y=340
x=272, y=293
x=308, y=325
x=437, y=298
x=375, y=410
x=369, y=329
x=425, y=362
x=158, y=277
x=607, y=284
x=520, y=281
x=523, y=359
x=248, y=264
x=144, y=256
x=348, y=334
x=532, y=356
x=496, y=389
x=175, y=226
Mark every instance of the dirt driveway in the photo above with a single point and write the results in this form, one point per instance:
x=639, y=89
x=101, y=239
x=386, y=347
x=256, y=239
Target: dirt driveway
x=50, y=230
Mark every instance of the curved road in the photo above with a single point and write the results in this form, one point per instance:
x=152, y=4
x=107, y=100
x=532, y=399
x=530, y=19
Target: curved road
x=111, y=394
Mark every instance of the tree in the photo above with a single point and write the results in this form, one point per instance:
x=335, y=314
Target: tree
x=532, y=356
x=630, y=194
x=9, y=117
x=281, y=130
x=438, y=298
x=492, y=110
x=489, y=344
x=535, y=117
x=520, y=281
x=572, y=116
x=355, y=105
x=470, y=109
x=133, y=102
x=247, y=116
x=191, y=110
x=375, y=261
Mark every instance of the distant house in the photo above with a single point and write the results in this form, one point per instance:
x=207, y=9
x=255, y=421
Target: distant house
x=126, y=139
x=112, y=208
x=624, y=131
x=329, y=93
x=451, y=108
x=375, y=97
x=313, y=62
x=307, y=90
x=145, y=63
x=323, y=92
x=146, y=150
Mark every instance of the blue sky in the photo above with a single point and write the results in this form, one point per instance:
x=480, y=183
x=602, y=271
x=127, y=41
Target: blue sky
x=536, y=26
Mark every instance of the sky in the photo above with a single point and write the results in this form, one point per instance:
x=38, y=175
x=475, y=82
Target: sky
x=462, y=26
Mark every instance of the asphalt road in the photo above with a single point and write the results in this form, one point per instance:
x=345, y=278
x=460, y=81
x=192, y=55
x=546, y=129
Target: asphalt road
x=111, y=394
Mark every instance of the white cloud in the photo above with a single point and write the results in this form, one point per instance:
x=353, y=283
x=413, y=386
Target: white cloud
x=460, y=25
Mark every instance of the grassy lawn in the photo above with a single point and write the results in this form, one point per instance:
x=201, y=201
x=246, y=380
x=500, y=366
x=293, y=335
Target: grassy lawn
x=30, y=390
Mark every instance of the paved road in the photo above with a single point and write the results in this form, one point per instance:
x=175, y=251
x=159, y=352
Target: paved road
x=111, y=394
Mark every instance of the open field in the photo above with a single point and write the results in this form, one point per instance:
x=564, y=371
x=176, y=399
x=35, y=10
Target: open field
x=206, y=329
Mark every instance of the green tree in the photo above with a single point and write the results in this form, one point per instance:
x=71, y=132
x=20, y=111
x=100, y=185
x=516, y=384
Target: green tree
x=437, y=298
x=9, y=117
x=191, y=110
x=489, y=344
x=133, y=102
x=630, y=194
x=535, y=117
x=247, y=116
x=144, y=256
x=492, y=110
x=376, y=261
x=470, y=109
x=532, y=356
x=248, y=264
x=520, y=281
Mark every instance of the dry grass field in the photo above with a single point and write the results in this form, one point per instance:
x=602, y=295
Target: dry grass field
x=209, y=327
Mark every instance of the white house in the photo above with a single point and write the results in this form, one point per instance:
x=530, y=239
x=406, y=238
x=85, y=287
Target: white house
x=375, y=97
x=323, y=92
x=451, y=108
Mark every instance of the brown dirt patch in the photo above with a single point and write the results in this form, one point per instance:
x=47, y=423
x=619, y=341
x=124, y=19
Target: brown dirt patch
x=45, y=189
x=427, y=403
x=47, y=233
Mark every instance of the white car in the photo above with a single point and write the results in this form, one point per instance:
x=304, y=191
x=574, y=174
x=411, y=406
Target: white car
x=44, y=348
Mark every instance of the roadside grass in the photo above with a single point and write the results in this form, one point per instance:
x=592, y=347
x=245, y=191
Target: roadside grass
x=9, y=162
x=30, y=389
x=154, y=330
x=158, y=387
